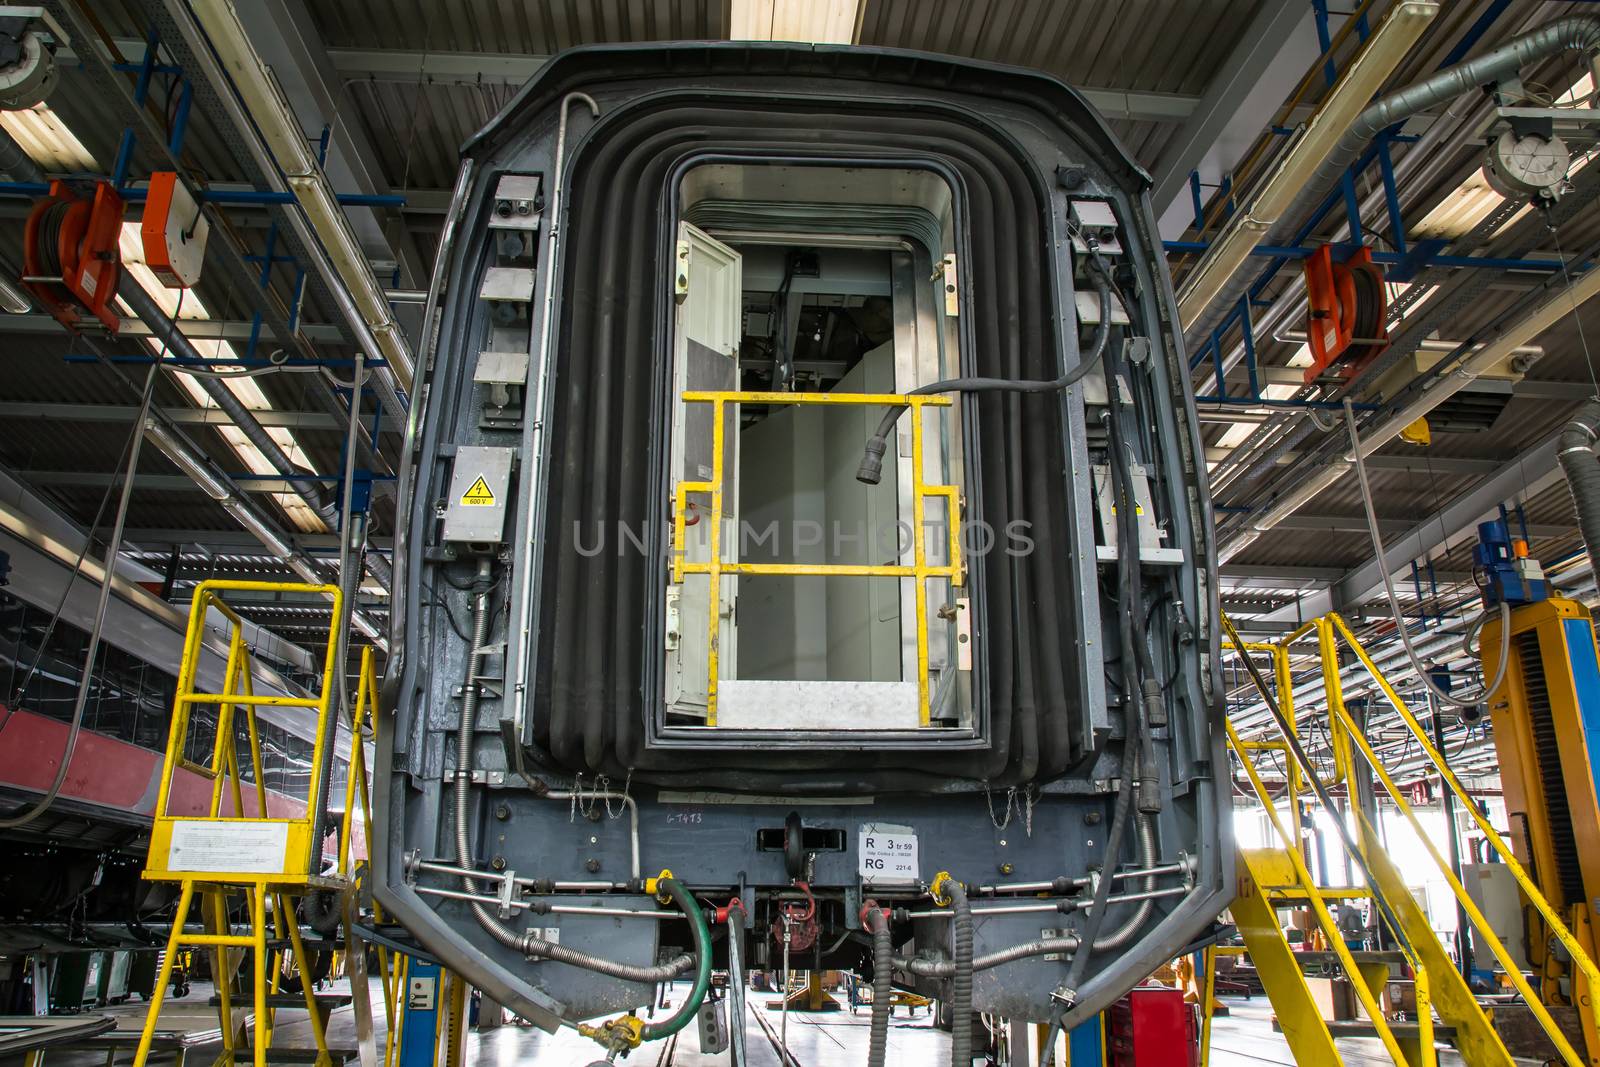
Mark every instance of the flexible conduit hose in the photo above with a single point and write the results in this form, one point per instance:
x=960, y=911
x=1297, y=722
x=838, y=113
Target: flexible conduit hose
x=937, y=968
x=882, y=986
x=1574, y=32
x=961, y=981
x=1147, y=858
x=1575, y=453
x=526, y=943
x=1471, y=699
x=871, y=470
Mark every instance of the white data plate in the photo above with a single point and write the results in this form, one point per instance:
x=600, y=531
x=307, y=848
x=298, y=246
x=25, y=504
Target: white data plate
x=887, y=854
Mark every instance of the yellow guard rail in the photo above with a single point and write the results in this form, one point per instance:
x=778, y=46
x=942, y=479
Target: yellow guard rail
x=919, y=569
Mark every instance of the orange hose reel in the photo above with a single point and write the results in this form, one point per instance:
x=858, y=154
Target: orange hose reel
x=70, y=254
x=1348, y=310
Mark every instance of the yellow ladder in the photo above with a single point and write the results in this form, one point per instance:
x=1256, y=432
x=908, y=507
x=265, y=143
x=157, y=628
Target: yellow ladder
x=220, y=855
x=1270, y=878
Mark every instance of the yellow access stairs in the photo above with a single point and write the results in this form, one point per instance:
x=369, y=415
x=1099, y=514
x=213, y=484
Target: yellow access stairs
x=239, y=858
x=1273, y=878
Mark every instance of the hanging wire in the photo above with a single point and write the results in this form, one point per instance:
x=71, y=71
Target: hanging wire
x=108, y=579
x=1577, y=320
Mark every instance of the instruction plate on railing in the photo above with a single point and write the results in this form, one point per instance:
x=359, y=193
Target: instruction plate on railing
x=223, y=845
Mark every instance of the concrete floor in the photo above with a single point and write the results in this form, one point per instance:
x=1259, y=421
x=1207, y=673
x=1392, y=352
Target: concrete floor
x=1243, y=1038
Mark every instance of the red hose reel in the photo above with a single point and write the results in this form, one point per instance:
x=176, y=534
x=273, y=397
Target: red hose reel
x=1349, y=308
x=70, y=256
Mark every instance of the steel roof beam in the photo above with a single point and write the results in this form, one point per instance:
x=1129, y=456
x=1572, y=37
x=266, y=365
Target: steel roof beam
x=408, y=66
x=1254, y=58
x=293, y=420
x=285, y=35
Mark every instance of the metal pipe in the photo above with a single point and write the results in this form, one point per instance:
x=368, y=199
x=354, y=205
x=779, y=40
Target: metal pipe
x=536, y=884
x=1059, y=884
x=551, y=909
x=933, y=967
x=541, y=360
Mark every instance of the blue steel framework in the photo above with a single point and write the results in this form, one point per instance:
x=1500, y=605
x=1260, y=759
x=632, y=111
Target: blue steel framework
x=1407, y=258
x=147, y=70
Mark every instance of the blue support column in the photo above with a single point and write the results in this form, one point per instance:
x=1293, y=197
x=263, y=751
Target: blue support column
x=1086, y=1043
x=141, y=90
x=419, y=1022
x=1391, y=196
x=1199, y=204
x=180, y=117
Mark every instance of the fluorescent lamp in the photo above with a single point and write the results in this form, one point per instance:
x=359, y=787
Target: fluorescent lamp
x=47, y=140
x=807, y=21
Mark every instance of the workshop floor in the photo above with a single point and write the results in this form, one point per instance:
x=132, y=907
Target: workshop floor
x=1243, y=1038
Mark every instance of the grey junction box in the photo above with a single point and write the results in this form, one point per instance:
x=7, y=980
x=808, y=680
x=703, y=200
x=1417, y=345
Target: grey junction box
x=475, y=511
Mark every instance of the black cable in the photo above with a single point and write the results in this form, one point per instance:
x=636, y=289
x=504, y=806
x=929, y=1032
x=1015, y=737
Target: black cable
x=871, y=470
x=782, y=362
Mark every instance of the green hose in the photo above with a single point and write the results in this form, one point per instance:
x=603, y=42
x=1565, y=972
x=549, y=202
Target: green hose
x=702, y=971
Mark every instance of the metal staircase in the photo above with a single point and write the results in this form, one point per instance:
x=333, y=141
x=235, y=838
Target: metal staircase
x=1272, y=878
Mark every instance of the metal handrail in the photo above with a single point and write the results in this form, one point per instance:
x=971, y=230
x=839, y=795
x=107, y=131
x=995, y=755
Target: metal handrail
x=1330, y=929
x=238, y=692
x=1525, y=882
x=919, y=570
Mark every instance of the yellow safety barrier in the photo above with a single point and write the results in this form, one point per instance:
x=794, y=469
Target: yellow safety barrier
x=920, y=569
x=261, y=856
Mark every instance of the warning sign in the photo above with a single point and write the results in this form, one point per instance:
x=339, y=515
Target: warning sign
x=478, y=495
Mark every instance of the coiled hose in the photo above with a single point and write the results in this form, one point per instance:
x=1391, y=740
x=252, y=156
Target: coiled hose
x=702, y=972
x=882, y=984
x=961, y=983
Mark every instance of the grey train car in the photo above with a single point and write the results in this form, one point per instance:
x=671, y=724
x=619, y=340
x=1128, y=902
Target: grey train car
x=765, y=599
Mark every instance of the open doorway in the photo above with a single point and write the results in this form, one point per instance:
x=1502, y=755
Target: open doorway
x=793, y=311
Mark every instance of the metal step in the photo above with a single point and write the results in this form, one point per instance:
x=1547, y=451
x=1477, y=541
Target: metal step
x=1362, y=1028
x=325, y=1001
x=244, y=1054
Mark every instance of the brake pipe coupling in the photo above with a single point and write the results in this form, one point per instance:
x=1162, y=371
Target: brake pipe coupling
x=620, y=1035
x=656, y=887
x=939, y=890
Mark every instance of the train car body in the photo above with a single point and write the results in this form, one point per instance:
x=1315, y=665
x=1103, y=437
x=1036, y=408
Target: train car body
x=667, y=600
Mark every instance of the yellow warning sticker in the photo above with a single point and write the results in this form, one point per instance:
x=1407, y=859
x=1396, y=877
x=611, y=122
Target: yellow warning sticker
x=478, y=495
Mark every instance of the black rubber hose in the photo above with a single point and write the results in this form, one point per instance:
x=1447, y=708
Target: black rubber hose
x=882, y=987
x=961, y=984
x=1127, y=556
x=871, y=470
